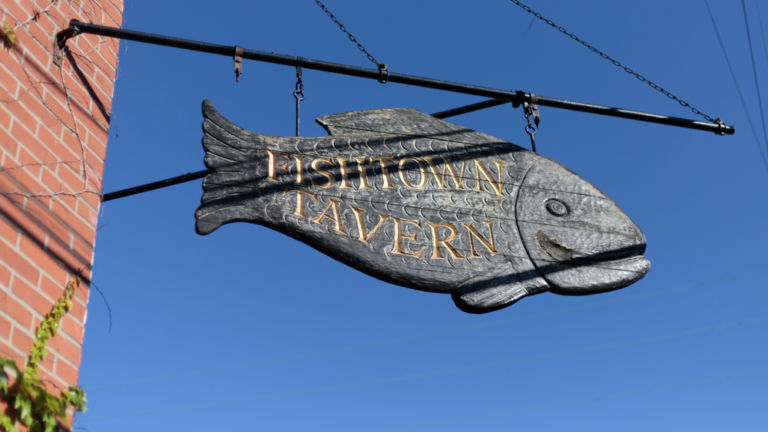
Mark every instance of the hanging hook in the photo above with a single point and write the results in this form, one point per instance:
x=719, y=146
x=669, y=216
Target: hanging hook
x=532, y=117
x=298, y=94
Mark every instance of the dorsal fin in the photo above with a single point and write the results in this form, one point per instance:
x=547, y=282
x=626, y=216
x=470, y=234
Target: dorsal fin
x=396, y=122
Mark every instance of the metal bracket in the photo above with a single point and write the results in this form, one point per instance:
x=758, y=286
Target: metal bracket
x=238, y=62
x=60, y=42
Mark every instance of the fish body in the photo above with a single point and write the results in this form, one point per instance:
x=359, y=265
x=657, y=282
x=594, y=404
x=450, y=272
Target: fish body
x=423, y=203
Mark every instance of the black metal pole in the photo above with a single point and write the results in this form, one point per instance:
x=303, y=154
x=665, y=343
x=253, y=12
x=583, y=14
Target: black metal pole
x=516, y=97
x=154, y=185
x=200, y=174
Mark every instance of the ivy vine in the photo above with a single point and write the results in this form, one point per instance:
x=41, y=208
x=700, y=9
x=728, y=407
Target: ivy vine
x=7, y=36
x=27, y=397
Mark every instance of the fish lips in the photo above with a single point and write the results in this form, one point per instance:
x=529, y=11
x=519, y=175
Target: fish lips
x=580, y=241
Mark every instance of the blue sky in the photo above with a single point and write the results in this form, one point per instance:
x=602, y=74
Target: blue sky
x=248, y=329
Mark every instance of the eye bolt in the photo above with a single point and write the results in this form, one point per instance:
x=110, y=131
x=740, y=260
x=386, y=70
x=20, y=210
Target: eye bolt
x=555, y=207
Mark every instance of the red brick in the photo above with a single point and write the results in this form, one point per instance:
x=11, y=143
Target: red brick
x=18, y=263
x=5, y=327
x=23, y=117
x=73, y=144
x=74, y=223
x=51, y=180
x=45, y=218
x=8, y=351
x=5, y=277
x=51, y=288
x=9, y=82
x=96, y=125
x=72, y=328
x=15, y=11
x=41, y=32
x=48, y=25
x=8, y=232
x=14, y=213
x=82, y=249
x=31, y=297
x=48, y=363
x=9, y=144
x=33, y=50
x=5, y=120
x=58, y=106
x=21, y=341
x=66, y=372
x=66, y=348
x=64, y=254
x=78, y=310
x=42, y=113
x=69, y=178
x=86, y=210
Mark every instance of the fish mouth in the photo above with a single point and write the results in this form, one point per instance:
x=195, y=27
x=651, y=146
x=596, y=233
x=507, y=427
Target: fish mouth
x=574, y=272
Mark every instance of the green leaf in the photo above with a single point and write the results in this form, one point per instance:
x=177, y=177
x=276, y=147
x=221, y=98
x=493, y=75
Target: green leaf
x=3, y=381
x=10, y=34
x=24, y=406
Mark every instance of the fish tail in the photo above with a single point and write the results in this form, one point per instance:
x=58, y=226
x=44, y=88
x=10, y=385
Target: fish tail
x=229, y=152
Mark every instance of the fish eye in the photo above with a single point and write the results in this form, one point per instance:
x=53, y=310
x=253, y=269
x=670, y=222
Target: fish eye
x=555, y=207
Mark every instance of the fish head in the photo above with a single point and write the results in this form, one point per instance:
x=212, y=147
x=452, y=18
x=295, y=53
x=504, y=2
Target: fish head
x=580, y=241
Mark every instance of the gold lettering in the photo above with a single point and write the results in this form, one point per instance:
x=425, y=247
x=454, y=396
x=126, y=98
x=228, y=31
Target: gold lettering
x=397, y=247
x=336, y=218
x=437, y=253
x=472, y=231
x=345, y=183
x=361, y=168
x=481, y=169
x=273, y=166
x=361, y=234
x=299, y=169
x=404, y=174
x=300, y=207
x=440, y=178
x=316, y=166
x=382, y=160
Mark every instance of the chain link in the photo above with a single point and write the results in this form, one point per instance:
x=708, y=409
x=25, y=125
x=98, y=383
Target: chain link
x=350, y=35
x=627, y=69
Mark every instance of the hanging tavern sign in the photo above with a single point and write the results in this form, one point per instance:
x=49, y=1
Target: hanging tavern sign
x=423, y=203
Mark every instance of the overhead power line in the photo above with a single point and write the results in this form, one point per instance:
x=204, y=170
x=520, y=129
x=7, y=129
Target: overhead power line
x=754, y=73
x=736, y=84
x=615, y=62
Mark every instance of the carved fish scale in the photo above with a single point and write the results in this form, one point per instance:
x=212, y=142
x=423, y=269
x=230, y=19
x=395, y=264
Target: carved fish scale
x=412, y=200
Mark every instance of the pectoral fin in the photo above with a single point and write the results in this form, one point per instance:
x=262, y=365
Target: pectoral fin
x=499, y=290
x=488, y=299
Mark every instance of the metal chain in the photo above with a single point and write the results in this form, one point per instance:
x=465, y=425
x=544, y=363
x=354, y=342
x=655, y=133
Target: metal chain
x=627, y=69
x=350, y=35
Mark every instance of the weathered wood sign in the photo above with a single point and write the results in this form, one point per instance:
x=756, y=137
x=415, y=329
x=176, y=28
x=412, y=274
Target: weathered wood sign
x=425, y=204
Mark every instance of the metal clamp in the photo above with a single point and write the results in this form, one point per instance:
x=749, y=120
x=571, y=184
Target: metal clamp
x=238, y=62
x=383, y=73
x=60, y=42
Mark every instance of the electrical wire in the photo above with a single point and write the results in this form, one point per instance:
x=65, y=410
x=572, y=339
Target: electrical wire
x=738, y=88
x=581, y=401
x=754, y=72
x=441, y=372
x=516, y=320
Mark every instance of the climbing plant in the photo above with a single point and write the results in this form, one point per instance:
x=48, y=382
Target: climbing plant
x=28, y=399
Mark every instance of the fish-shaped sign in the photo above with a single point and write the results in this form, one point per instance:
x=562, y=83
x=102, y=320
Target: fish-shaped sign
x=424, y=203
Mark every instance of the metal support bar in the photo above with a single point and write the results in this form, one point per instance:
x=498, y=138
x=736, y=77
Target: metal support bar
x=154, y=185
x=76, y=27
x=200, y=174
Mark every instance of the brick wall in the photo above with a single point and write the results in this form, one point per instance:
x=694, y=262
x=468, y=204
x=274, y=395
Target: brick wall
x=54, y=125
